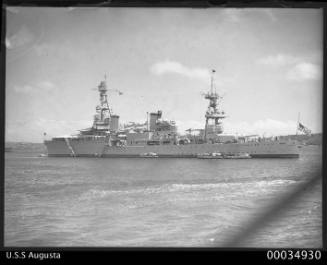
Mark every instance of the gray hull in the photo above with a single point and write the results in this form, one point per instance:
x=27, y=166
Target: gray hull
x=98, y=148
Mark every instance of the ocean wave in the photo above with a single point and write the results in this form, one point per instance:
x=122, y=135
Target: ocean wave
x=205, y=186
x=179, y=187
x=98, y=193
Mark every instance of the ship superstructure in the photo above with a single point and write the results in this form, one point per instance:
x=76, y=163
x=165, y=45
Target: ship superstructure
x=159, y=137
x=104, y=121
x=213, y=115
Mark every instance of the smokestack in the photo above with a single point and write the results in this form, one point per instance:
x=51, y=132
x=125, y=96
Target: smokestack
x=114, y=122
x=154, y=116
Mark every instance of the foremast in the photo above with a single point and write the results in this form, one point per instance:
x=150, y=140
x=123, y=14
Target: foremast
x=103, y=113
x=213, y=115
x=104, y=121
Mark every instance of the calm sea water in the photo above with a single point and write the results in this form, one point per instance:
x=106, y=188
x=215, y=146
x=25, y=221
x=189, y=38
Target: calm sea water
x=157, y=202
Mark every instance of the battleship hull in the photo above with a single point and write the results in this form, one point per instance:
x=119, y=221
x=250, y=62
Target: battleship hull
x=105, y=139
x=99, y=148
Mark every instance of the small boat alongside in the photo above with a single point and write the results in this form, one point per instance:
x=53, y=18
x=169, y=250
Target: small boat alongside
x=224, y=156
x=210, y=156
x=149, y=155
x=237, y=156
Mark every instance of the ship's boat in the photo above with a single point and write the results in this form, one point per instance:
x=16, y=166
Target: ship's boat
x=210, y=156
x=237, y=156
x=158, y=137
x=149, y=155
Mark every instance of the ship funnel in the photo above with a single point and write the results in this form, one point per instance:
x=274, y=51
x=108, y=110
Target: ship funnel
x=154, y=116
x=114, y=122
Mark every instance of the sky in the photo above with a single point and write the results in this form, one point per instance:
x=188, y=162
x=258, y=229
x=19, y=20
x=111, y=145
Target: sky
x=268, y=65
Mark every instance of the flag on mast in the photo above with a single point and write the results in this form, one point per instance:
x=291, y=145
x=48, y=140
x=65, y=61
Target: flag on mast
x=304, y=129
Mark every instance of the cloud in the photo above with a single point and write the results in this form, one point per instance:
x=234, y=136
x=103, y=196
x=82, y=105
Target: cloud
x=270, y=13
x=41, y=86
x=36, y=128
x=278, y=60
x=61, y=50
x=304, y=71
x=46, y=85
x=8, y=44
x=22, y=37
x=269, y=127
x=12, y=9
x=236, y=15
x=299, y=69
x=232, y=14
x=172, y=67
x=23, y=89
x=42, y=49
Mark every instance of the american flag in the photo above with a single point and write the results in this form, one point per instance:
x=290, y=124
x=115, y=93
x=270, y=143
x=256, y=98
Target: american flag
x=304, y=129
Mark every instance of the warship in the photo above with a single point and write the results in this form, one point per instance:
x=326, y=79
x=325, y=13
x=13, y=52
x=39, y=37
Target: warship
x=159, y=138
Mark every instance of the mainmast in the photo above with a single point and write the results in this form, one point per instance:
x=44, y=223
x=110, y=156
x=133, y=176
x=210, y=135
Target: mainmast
x=213, y=115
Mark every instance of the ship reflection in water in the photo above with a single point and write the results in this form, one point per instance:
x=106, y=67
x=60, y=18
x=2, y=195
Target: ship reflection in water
x=106, y=138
